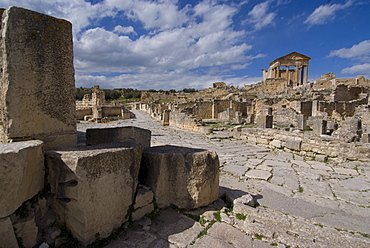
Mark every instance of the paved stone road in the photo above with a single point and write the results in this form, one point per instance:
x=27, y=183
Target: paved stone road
x=301, y=202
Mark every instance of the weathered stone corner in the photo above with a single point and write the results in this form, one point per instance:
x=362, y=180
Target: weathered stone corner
x=21, y=174
x=185, y=177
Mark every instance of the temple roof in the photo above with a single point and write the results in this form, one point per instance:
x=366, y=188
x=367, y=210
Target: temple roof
x=291, y=58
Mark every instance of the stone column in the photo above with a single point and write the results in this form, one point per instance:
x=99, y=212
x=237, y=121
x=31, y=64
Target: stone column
x=305, y=80
x=296, y=74
x=214, y=109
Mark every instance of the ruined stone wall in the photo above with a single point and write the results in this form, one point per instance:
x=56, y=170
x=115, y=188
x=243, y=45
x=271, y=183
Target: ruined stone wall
x=305, y=144
x=286, y=117
x=346, y=93
x=204, y=110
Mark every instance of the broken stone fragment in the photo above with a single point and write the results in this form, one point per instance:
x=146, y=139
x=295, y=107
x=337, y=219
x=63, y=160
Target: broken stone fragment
x=21, y=174
x=184, y=177
x=94, y=187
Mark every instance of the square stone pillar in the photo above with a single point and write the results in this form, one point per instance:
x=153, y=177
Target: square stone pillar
x=320, y=127
x=166, y=117
x=302, y=122
x=264, y=121
x=37, y=99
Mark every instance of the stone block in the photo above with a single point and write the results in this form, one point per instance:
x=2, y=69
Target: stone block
x=7, y=236
x=142, y=211
x=264, y=121
x=21, y=174
x=276, y=143
x=365, y=138
x=137, y=135
x=319, y=126
x=293, y=144
x=94, y=187
x=302, y=122
x=143, y=197
x=38, y=91
x=185, y=177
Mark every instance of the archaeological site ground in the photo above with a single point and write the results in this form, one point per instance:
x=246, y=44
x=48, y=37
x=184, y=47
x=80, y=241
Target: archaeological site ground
x=282, y=163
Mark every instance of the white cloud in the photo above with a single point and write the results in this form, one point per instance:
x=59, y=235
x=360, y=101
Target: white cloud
x=358, y=69
x=325, y=13
x=169, y=80
x=359, y=51
x=260, y=17
x=124, y=30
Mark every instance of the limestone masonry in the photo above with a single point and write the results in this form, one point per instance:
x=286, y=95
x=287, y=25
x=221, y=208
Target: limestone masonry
x=285, y=162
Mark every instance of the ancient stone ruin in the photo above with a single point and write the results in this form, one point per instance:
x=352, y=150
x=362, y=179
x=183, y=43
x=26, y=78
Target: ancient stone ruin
x=50, y=187
x=94, y=107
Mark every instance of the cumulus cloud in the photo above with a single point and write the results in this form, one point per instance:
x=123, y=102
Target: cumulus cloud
x=358, y=69
x=124, y=30
x=359, y=51
x=260, y=17
x=325, y=13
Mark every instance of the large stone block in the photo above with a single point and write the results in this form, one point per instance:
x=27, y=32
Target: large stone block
x=118, y=134
x=185, y=177
x=94, y=187
x=21, y=174
x=37, y=99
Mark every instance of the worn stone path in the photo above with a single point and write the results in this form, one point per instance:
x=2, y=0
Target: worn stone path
x=300, y=202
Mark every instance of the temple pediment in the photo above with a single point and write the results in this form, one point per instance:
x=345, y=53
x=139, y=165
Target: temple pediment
x=291, y=59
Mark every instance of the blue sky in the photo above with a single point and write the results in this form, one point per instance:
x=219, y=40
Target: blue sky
x=176, y=44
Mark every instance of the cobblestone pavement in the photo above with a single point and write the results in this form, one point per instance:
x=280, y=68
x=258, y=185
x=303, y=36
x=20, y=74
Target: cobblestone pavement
x=300, y=202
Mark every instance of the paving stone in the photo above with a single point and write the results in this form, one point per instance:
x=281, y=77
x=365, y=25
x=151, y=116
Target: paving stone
x=230, y=235
x=293, y=206
x=319, y=166
x=355, y=184
x=258, y=174
x=276, y=163
x=235, y=170
x=208, y=241
x=301, y=163
x=318, y=188
x=345, y=171
x=346, y=222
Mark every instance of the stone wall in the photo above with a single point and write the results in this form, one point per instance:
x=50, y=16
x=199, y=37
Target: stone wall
x=306, y=144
